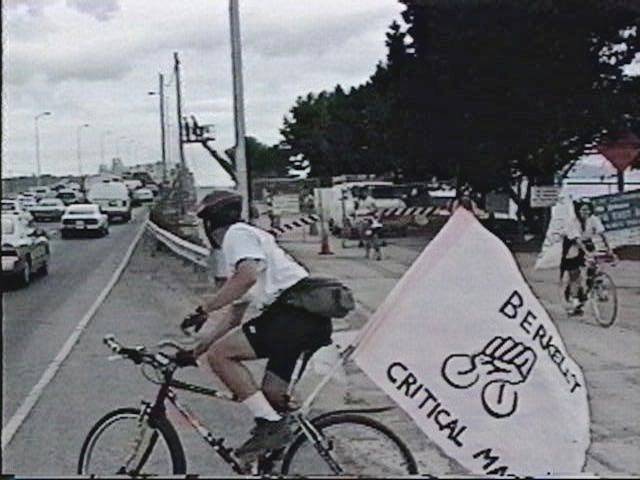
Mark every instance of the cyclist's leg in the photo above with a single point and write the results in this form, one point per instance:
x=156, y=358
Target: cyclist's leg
x=574, y=286
x=275, y=383
x=294, y=331
x=225, y=357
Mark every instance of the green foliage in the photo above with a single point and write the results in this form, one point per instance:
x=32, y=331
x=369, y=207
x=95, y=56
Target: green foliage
x=265, y=161
x=485, y=90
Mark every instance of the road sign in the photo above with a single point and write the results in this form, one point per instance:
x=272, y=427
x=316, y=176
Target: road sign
x=544, y=196
x=622, y=152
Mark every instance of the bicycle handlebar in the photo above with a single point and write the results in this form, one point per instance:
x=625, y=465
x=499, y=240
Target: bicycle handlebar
x=139, y=354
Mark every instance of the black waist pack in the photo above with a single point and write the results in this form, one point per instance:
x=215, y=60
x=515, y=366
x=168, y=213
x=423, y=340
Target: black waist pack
x=322, y=296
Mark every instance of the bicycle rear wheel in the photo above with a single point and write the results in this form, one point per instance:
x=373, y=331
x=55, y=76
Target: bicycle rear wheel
x=108, y=448
x=360, y=445
x=604, y=299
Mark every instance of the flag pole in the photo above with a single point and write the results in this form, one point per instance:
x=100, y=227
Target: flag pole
x=343, y=357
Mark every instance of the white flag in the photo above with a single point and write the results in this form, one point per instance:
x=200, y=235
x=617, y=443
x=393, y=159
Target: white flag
x=466, y=349
x=562, y=215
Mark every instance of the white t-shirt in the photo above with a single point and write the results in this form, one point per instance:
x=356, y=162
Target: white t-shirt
x=592, y=228
x=278, y=271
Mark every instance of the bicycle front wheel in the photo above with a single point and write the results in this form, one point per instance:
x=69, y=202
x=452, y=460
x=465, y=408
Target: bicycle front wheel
x=359, y=445
x=604, y=299
x=119, y=443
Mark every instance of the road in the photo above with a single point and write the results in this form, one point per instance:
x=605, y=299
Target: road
x=38, y=319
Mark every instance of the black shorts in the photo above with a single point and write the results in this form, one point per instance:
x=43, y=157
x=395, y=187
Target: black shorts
x=281, y=333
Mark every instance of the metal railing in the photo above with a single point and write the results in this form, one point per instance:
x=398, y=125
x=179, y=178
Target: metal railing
x=197, y=254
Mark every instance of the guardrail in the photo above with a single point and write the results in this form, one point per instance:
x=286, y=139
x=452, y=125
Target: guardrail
x=195, y=253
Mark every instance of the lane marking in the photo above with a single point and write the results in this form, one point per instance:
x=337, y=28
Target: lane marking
x=31, y=400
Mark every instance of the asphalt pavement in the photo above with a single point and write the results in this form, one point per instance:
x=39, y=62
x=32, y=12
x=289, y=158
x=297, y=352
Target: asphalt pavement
x=37, y=319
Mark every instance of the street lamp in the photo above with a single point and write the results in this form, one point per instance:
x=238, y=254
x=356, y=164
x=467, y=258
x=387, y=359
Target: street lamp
x=35, y=119
x=80, y=127
x=104, y=134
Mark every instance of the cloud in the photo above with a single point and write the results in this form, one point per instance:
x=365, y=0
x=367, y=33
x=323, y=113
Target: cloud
x=58, y=58
x=308, y=37
x=102, y=10
x=33, y=8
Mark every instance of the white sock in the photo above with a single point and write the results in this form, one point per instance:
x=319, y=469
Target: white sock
x=260, y=407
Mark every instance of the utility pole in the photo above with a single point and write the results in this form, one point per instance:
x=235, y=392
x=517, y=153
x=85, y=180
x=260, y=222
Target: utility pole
x=80, y=127
x=162, y=129
x=36, y=118
x=180, y=134
x=238, y=109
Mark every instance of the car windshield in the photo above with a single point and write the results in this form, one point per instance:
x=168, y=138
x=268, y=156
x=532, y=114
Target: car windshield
x=82, y=211
x=8, y=227
x=66, y=194
x=8, y=206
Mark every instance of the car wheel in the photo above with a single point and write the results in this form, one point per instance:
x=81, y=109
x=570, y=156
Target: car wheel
x=44, y=269
x=26, y=273
x=64, y=234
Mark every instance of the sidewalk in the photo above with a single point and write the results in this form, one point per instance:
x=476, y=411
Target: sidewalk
x=610, y=358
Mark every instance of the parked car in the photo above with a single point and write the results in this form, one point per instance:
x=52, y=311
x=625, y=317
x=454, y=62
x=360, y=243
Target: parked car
x=143, y=195
x=48, y=209
x=113, y=199
x=25, y=250
x=14, y=207
x=69, y=196
x=84, y=218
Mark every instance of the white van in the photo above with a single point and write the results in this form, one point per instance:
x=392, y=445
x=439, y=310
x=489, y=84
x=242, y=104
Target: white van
x=113, y=199
x=349, y=192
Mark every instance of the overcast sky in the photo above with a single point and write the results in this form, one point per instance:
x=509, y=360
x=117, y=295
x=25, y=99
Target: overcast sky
x=93, y=61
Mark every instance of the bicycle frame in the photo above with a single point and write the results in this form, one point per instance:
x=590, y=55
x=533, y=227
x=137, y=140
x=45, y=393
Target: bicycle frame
x=166, y=392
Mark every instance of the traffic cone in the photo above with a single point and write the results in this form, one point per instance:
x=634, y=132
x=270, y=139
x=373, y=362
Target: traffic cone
x=324, y=248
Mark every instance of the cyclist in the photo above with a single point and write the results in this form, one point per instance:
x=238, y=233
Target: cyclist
x=260, y=272
x=579, y=242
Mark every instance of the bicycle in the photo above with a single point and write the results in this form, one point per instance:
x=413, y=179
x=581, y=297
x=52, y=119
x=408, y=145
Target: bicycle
x=342, y=442
x=600, y=289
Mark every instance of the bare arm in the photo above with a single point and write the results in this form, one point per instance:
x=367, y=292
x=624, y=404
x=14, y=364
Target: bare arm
x=235, y=287
x=229, y=319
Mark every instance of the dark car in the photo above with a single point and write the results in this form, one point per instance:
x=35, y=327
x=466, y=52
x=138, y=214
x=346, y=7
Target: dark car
x=48, y=209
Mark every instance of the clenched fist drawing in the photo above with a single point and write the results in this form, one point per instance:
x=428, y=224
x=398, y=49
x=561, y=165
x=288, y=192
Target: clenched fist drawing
x=501, y=365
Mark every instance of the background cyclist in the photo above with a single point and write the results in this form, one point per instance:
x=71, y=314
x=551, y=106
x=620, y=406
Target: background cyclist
x=583, y=236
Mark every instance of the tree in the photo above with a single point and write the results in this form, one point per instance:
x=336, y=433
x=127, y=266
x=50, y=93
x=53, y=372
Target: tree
x=265, y=161
x=487, y=91
x=521, y=88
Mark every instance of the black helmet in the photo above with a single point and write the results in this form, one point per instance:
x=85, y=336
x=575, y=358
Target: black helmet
x=220, y=208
